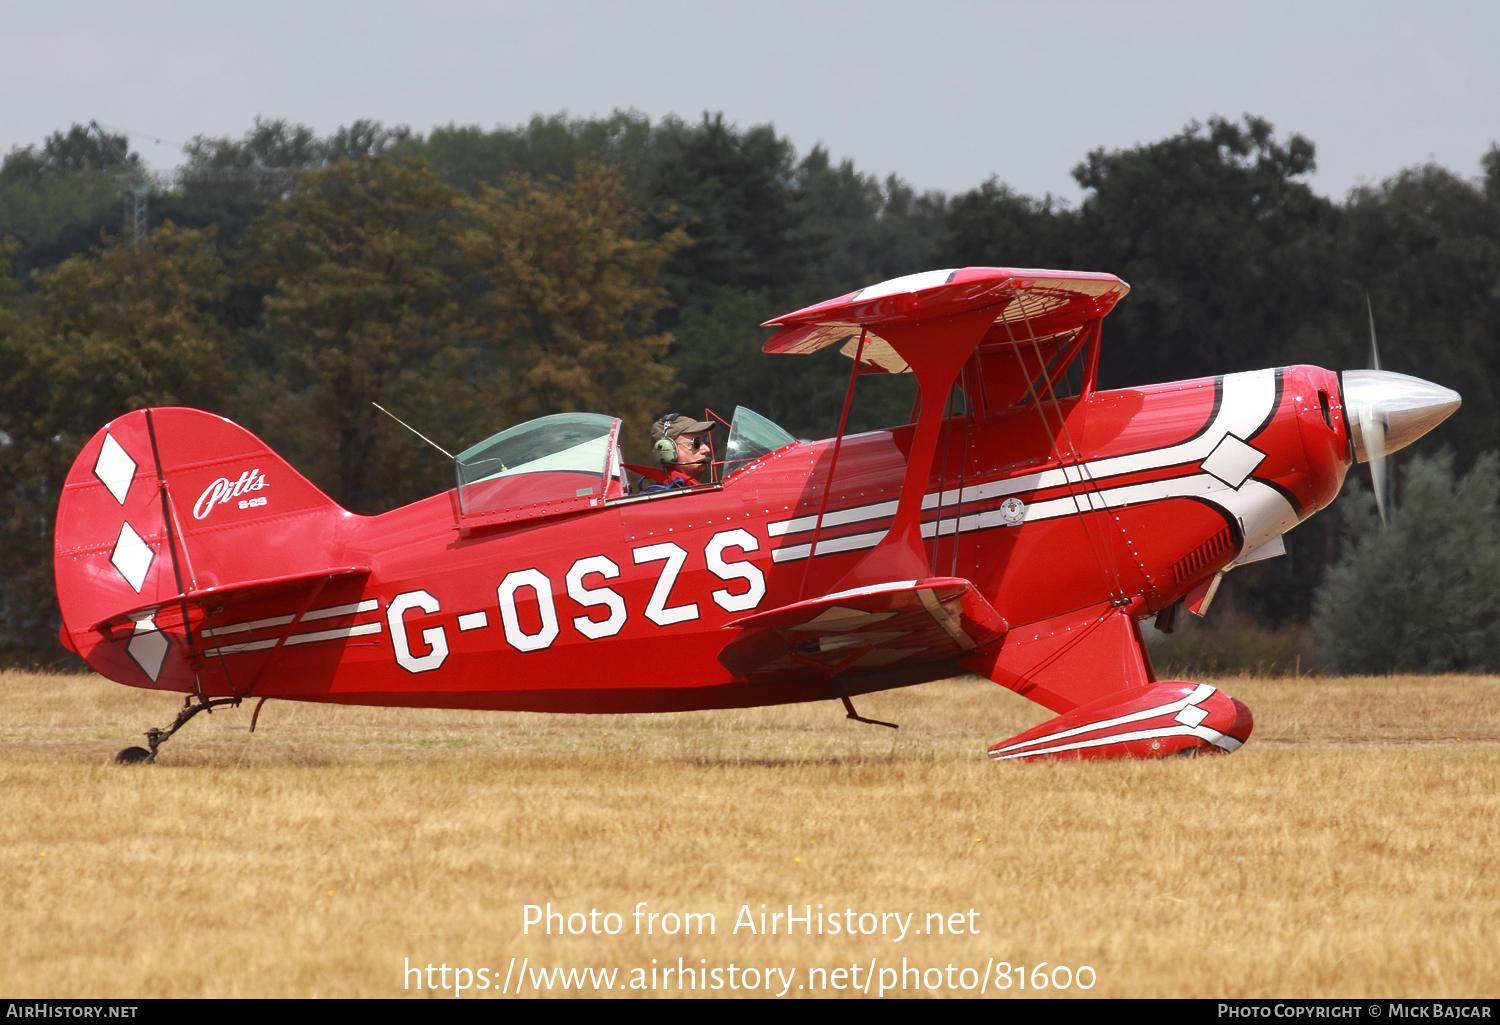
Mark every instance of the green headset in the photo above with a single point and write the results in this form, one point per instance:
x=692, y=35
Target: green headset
x=666, y=449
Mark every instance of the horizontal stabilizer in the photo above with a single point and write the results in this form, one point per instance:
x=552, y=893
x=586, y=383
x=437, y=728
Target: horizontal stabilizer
x=170, y=639
x=864, y=630
x=167, y=613
x=1141, y=722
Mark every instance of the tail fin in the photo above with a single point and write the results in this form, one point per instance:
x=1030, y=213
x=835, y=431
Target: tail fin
x=164, y=507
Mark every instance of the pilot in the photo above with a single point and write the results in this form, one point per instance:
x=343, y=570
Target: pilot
x=682, y=447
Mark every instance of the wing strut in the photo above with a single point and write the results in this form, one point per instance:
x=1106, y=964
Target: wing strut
x=936, y=350
x=833, y=463
x=930, y=324
x=963, y=470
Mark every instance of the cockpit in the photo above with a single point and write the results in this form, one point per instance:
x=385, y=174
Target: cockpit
x=573, y=461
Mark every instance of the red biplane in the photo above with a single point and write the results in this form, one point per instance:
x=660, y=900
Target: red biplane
x=1021, y=527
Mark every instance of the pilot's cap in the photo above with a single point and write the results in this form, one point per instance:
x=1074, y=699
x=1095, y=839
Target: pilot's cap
x=672, y=426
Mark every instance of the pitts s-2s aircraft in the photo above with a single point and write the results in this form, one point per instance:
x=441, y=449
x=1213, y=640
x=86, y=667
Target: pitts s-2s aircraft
x=1022, y=527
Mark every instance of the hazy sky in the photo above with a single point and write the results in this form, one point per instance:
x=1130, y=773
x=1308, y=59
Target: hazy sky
x=944, y=94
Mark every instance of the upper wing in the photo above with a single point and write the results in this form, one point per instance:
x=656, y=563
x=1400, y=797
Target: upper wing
x=1028, y=304
x=864, y=630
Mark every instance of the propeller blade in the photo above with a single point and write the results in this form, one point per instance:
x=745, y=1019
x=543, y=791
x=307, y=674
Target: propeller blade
x=1386, y=412
x=1372, y=428
x=1374, y=352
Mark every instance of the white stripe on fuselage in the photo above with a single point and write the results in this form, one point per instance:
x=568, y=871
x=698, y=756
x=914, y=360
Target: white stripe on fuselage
x=340, y=633
x=856, y=514
x=333, y=611
x=1248, y=401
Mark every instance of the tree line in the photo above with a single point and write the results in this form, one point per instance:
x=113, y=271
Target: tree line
x=470, y=279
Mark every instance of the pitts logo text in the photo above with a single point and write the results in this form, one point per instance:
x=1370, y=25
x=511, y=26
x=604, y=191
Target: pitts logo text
x=221, y=491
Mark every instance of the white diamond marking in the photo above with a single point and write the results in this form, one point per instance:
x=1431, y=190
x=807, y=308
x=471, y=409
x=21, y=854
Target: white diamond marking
x=149, y=647
x=132, y=557
x=114, y=468
x=1192, y=715
x=1232, y=461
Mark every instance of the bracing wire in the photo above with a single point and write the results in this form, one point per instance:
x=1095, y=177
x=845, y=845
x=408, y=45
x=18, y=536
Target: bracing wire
x=937, y=524
x=1111, y=571
x=963, y=471
x=1085, y=476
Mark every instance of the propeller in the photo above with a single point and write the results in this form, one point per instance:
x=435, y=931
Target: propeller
x=1372, y=428
x=1388, y=411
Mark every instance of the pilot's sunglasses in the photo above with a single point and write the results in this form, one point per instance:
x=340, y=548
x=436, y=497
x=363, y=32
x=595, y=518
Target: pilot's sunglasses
x=701, y=443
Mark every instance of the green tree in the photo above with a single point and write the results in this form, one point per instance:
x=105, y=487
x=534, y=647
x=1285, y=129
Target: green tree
x=736, y=192
x=229, y=182
x=995, y=226
x=565, y=295
x=58, y=200
x=1230, y=256
x=769, y=233
x=740, y=201
x=868, y=230
x=358, y=266
x=1420, y=595
x=26, y=634
x=467, y=156
x=1426, y=244
x=130, y=327
x=103, y=334
x=79, y=149
x=462, y=315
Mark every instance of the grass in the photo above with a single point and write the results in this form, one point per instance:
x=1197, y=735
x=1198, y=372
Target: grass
x=1350, y=849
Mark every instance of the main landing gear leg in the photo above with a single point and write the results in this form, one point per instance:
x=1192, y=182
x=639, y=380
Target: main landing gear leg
x=156, y=737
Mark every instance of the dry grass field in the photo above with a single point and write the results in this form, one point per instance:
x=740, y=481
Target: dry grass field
x=1349, y=850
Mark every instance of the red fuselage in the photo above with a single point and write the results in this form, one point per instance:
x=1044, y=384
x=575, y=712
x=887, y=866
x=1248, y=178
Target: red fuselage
x=621, y=607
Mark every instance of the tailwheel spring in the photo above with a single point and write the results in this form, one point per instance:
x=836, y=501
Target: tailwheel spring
x=156, y=737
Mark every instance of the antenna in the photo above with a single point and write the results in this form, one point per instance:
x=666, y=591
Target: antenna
x=409, y=427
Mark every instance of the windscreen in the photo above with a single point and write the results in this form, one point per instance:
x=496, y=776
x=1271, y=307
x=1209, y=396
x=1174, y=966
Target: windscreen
x=750, y=437
x=556, y=458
